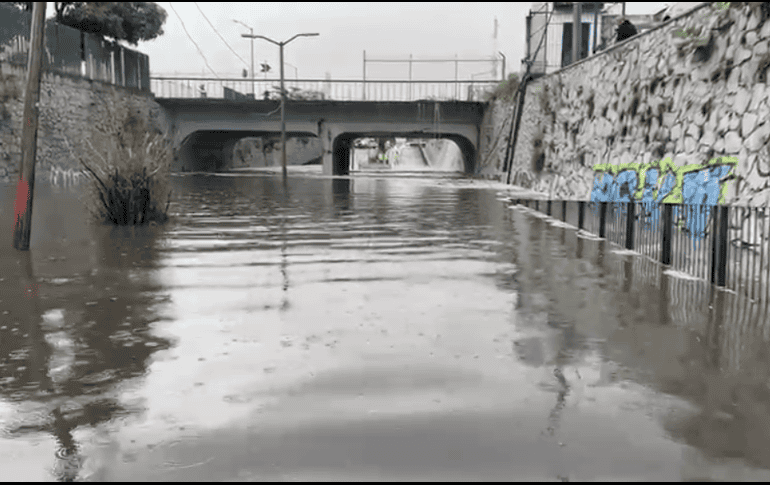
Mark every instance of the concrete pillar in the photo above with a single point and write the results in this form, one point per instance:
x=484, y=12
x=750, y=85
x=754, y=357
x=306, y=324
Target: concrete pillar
x=227, y=153
x=327, y=139
x=185, y=159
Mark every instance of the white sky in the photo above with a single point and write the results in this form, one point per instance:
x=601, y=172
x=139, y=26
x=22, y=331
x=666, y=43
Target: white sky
x=427, y=30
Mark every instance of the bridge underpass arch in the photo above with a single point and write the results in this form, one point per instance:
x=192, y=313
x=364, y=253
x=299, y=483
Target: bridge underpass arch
x=343, y=143
x=212, y=150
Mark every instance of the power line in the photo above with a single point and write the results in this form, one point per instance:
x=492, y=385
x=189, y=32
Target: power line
x=170, y=4
x=540, y=43
x=516, y=115
x=220, y=35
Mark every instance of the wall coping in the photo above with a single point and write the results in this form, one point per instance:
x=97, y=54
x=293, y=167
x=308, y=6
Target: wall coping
x=630, y=39
x=76, y=77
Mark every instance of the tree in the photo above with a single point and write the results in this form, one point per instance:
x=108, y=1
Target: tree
x=26, y=6
x=129, y=21
x=59, y=7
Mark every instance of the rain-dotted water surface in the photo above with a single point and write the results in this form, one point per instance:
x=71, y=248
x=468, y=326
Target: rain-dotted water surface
x=364, y=328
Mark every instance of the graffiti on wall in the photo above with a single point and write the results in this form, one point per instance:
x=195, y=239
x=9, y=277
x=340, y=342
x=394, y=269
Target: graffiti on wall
x=701, y=185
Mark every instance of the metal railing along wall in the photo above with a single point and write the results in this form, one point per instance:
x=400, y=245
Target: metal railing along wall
x=322, y=89
x=725, y=245
x=71, y=51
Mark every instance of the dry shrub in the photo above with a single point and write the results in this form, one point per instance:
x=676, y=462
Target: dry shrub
x=129, y=174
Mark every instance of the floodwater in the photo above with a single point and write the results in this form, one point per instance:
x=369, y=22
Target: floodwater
x=365, y=328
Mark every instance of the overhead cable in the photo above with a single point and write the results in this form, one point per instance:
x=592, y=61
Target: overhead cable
x=170, y=4
x=220, y=35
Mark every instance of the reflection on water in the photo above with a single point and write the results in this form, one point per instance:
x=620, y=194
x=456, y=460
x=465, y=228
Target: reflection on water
x=365, y=328
x=76, y=316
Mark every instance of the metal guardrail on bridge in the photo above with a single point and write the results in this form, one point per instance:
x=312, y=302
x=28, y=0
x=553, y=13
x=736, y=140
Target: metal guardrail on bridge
x=321, y=89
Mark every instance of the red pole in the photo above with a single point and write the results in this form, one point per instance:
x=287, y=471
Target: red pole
x=26, y=186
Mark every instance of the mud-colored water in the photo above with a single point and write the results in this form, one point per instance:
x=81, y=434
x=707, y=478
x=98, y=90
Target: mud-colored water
x=363, y=329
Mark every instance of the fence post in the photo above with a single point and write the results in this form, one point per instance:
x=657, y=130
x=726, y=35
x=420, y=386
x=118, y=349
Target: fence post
x=719, y=258
x=564, y=211
x=665, y=253
x=630, y=220
x=537, y=205
x=548, y=208
x=581, y=213
x=602, y=218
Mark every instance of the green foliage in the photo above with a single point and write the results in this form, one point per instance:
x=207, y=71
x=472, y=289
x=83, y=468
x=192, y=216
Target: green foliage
x=298, y=94
x=506, y=90
x=129, y=21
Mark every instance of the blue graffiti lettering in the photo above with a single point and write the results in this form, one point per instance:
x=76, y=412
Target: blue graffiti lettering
x=701, y=189
x=669, y=182
x=625, y=186
x=703, y=186
x=602, y=191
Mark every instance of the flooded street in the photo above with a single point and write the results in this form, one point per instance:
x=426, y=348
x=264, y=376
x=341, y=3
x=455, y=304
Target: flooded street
x=367, y=328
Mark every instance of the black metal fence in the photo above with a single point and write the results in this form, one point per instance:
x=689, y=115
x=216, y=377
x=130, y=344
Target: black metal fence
x=71, y=51
x=727, y=246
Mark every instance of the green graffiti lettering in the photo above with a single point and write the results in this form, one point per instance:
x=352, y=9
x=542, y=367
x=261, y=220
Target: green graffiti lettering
x=665, y=167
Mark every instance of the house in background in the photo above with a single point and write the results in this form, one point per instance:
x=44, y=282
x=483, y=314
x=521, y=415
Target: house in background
x=598, y=19
x=674, y=10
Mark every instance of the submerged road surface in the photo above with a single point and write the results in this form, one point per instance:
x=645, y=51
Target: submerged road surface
x=363, y=329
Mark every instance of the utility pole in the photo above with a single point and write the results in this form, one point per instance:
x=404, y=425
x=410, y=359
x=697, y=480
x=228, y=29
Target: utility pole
x=596, y=23
x=283, y=117
x=410, y=77
x=283, y=92
x=253, y=89
x=456, y=66
x=494, y=48
x=577, y=30
x=26, y=186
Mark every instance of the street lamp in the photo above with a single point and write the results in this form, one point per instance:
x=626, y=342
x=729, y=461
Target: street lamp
x=253, y=91
x=283, y=92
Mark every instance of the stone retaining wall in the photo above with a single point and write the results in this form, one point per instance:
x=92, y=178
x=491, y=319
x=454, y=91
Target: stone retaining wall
x=692, y=91
x=71, y=108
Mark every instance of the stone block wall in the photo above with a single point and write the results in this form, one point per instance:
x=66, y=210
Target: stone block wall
x=72, y=110
x=494, y=138
x=688, y=96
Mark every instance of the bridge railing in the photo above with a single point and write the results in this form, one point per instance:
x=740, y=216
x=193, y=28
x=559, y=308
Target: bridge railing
x=321, y=89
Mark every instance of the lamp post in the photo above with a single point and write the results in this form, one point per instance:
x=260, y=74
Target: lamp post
x=253, y=90
x=283, y=91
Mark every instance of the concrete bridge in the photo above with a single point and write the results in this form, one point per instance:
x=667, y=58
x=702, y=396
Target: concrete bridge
x=206, y=130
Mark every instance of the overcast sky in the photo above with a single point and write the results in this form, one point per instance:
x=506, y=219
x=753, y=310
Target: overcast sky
x=384, y=30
